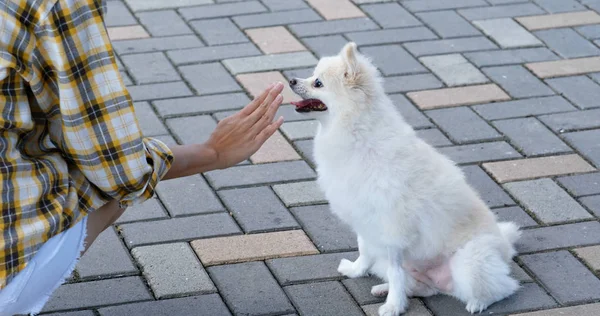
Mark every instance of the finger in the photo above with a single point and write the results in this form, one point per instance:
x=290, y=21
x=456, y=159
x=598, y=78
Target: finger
x=260, y=111
x=269, y=131
x=251, y=107
x=267, y=117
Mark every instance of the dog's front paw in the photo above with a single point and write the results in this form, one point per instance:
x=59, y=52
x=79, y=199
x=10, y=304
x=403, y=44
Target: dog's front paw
x=380, y=290
x=475, y=306
x=349, y=269
x=390, y=309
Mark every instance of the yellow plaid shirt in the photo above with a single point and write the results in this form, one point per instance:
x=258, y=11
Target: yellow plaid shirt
x=69, y=139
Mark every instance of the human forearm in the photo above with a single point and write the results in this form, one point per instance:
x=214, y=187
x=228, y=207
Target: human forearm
x=191, y=159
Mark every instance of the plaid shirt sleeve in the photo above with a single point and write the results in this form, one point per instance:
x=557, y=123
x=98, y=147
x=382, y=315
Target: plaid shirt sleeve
x=69, y=139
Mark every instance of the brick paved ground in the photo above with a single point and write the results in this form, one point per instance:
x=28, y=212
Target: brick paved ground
x=507, y=88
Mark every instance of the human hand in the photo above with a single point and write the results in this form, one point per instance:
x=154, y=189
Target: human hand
x=239, y=136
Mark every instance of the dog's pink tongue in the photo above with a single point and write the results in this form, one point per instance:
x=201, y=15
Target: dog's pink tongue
x=302, y=103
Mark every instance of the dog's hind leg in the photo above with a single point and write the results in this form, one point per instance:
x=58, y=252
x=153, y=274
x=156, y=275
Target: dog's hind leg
x=360, y=266
x=397, y=300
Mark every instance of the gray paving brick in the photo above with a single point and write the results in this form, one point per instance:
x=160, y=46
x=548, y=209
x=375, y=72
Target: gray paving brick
x=527, y=107
x=300, y=130
x=518, y=273
x=390, y=15
x=572, y=120
x=411, y=83
x=298, y=73
x=581, y=184
x=222, y=10
x=411, y=114
x=276, y=18
x=567, y=43
x=270, y=62
x=462, y=125
x=433, y=137
x=79, y=313
x=147, y=45
x=178, y=229
x=150, y=68
x=568, y=280
x=97, y=293
x=507, y=33
x=192, y=129
x=501, y=2
x=430, y=5
x=305, y=148
x=559, y=6
x=106, y=256
x=531, y=137
x=117, y=14
x=448, y=24
x=151, y=209
x=511, y=56
x=586, y=142
x=313, y=268
x=454, y=69
x=140, y=5
x=591, y=32
x=195, y=305
x=284, y=5
x=173, y=269
x=592, y=203
x=157, y=91
x=360, y=289
x=324, y=299
x=491, y=151
x=219, y=31
x=544, y=198
x=126, y=79
x=391, y=36
x=529, y=296
x=333, y=27
x=580, y=90
x=212, y=53
x=505, y=11
x=491, y=193
x=257, y=174
x=188, y=196
x=258, y=209
x=393, y=60
x=170, y=23
x=260, y=294
x=517, y=81
x=561, y=236
x=300, y=193
x=209, y=78
x=202, y=105
x=446, y=46
x=516, y=215
x=325, y=45
x=148, y=122
x=326, y=231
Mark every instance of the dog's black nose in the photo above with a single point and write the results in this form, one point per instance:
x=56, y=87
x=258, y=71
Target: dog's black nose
x=293, y=82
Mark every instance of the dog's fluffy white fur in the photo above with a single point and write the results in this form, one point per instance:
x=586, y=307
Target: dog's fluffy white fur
x=420, y=226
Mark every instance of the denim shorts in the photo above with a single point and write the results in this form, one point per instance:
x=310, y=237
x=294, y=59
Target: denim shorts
x=29, y=291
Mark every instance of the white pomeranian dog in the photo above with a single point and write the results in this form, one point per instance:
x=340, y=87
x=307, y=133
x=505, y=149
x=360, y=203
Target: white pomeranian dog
x=420, y=227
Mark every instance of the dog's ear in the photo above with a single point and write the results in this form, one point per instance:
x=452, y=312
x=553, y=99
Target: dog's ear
x=348, y=54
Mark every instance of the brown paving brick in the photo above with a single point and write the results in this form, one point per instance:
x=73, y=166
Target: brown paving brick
x=255, y=83
x=274, y=40
x=548, y=21
x=215, y=251
x=591, y=256
x=566, y=67
x=440, y=98
x=276, y=148
x=127, y=32
x=581, y=310
x=522, y=169
x=336, y=9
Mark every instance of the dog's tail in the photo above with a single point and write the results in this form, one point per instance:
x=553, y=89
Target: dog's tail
x=510, y=231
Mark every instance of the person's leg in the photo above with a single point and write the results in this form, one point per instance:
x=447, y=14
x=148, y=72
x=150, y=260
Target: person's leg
x=101, y=219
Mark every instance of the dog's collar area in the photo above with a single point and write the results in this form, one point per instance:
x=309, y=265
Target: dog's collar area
x=309, y=105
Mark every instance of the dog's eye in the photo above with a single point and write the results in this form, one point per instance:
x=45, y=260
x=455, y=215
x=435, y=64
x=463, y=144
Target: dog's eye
x=318, y=83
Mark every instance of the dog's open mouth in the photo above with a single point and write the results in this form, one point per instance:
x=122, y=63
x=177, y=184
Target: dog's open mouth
x=309, y=105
